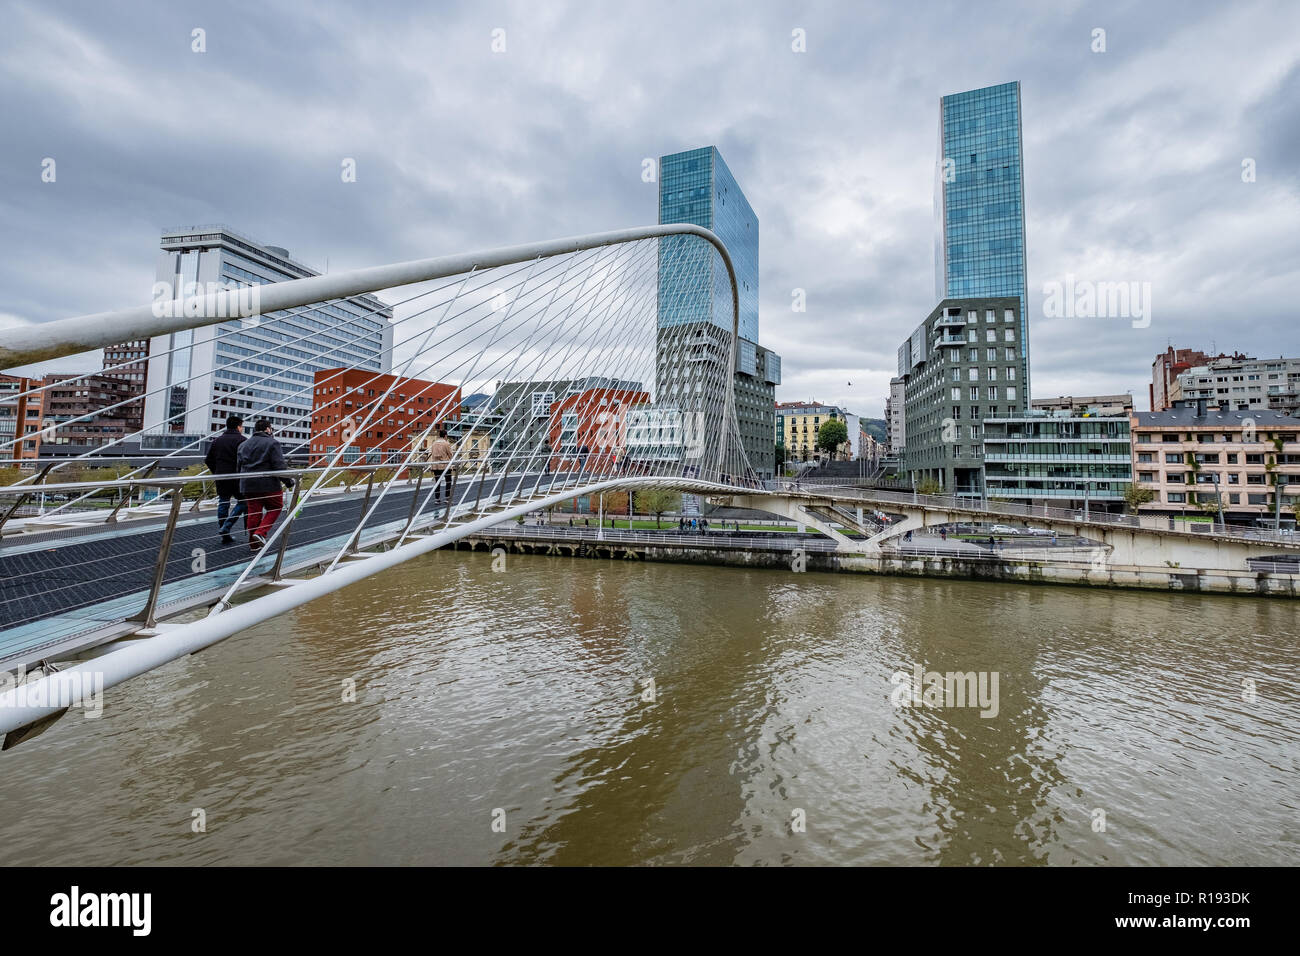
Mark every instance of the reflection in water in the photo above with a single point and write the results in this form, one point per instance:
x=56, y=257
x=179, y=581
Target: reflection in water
x=771, y=738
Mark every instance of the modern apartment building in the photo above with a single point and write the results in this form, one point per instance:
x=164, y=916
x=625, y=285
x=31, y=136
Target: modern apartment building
x=896, y=416
x=68, y=415
x=696, y=186
x=1168, y=366
x=356, y=409
x=1244, y=383
x=1059, y=458
x=588, y=428
x=21, y=415
x=1190, y=457
x=86, y=412
x=259, y=366
x=521, y=414
x=979, y=203
x=128, y=362
x=1090, y=405
x=962, y=365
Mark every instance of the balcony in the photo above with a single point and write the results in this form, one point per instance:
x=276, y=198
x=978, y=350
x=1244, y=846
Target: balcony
x=950, y=321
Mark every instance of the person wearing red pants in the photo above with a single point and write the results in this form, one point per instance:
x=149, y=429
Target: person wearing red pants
x=262, y=494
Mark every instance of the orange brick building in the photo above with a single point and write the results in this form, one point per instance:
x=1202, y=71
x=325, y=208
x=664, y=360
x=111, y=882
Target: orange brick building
x=343, y=400
x=590, y=427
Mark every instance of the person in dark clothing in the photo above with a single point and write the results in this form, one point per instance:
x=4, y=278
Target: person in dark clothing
x=222, y=459
x=262, y=493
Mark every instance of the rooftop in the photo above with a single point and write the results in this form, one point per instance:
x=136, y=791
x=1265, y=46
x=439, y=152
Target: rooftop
x=1188, y=416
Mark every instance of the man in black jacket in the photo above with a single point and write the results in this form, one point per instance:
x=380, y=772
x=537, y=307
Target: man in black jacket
x=262, y=493
x=222, y=459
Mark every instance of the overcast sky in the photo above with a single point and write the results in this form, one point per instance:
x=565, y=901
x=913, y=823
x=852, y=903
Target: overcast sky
x=1133, y=156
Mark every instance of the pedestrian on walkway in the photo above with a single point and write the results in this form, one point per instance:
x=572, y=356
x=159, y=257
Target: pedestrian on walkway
x=262, y=494
x=943, y=533
x=440, y=455
x=222, y=459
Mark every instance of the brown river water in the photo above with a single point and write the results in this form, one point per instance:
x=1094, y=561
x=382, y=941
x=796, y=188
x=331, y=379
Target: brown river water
x=505, y=717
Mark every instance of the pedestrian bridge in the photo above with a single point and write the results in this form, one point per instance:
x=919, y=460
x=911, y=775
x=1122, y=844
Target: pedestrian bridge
x=600, y=382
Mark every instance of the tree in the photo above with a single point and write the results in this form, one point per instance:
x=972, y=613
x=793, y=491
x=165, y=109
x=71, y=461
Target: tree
x=780, y=454
x=193, y=489
x=11, y=474
x=831, y=435
x=657, y=501
x=928, y=486
x=1135, y=496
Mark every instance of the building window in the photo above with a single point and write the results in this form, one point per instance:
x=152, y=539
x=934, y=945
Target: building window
x=1175, y=497
x=1009, y=335
x=1174, y=457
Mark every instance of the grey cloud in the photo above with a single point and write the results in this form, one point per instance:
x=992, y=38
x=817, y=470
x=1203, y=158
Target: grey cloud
x=1132, y=156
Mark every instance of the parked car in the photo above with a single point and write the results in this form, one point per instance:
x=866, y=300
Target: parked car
x=1036, y=531
x=1004, y=529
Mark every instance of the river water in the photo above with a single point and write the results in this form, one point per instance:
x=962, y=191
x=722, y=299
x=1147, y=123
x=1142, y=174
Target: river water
x=503, y=717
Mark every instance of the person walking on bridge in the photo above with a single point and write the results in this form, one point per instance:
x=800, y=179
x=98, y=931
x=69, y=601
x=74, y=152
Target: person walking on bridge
x=440, y=455
x=262, y=493
x=222, y=459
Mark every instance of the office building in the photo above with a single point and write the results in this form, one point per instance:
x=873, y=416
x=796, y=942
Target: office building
x=1059, y=458
x=979, y=204
x=962, y=365
x=378, y=417
x=696, y=186
x=259, y=366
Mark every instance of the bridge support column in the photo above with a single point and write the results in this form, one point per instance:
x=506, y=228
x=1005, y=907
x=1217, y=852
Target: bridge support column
x=791, y=509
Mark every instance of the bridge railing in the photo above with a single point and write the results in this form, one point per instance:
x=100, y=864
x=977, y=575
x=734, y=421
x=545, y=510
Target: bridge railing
x=1012, y=509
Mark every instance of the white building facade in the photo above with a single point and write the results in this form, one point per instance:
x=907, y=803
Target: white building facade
x=256, y=367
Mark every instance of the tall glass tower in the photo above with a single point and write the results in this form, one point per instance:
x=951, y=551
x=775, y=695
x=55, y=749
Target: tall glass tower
x=696, y=186
x=979, y=201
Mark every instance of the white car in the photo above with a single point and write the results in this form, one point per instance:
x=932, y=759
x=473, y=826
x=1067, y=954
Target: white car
x=1037, y=531
x=1004, y=529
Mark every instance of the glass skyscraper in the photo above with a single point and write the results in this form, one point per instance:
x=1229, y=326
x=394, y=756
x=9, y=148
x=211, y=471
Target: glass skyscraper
x=979, y=201
x=696, y=186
